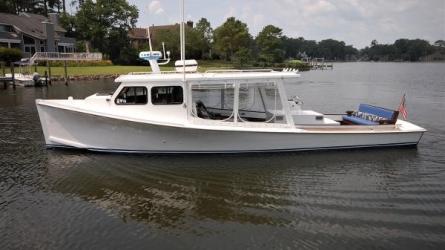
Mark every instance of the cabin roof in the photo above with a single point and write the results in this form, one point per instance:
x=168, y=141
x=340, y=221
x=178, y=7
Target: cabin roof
x=210, y=77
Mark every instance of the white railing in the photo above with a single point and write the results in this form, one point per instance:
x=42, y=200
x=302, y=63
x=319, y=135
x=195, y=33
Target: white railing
x=56, y=56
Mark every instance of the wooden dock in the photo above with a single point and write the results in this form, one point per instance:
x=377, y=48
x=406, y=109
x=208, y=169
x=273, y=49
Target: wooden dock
x=6, y=81
x=318, y=63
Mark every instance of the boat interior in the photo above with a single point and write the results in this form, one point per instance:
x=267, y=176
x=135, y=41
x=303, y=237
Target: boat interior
x=262, y=102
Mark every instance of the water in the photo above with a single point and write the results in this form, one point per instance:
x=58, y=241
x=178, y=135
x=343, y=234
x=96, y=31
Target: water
x=380, y=198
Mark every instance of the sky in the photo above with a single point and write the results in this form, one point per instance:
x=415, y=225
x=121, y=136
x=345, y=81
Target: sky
x=357, y=22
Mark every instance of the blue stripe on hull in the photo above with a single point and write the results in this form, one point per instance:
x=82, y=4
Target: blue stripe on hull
x=106, y=150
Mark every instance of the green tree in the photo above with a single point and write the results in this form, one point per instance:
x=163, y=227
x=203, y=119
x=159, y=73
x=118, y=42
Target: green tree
x=32, y=6
x=100, y=23
x=8, y=6
x=335, y=50
x=419, y=48
x=242, y=57
x=205, y=35
x=230, y=37
x=171, y=38
x=269, y=42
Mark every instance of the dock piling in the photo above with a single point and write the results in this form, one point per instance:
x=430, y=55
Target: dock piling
x=46, y=78
x=66, y=73
x=48, y=74
x=12, y=75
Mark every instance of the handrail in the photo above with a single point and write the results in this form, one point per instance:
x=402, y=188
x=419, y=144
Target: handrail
x=151, y=73
x=56, y=56
x=237, y=70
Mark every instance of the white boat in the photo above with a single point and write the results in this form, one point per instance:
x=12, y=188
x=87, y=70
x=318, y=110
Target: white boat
x=24, y=80
x=214, y=112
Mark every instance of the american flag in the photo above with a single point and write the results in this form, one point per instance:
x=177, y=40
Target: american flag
x=402, y=108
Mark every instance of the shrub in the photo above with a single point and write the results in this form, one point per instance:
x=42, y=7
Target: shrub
x=10, y=55
x=297, y=64
x=77, y=63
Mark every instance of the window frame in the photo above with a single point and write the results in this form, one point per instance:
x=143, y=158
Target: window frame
x=120, y=91
x=166, y=104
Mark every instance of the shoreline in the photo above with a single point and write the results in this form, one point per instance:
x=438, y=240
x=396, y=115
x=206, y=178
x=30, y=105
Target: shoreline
x=85, y=77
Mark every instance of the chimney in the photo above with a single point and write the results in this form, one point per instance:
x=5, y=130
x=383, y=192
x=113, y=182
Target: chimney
x=49, y=32
x=54, y=18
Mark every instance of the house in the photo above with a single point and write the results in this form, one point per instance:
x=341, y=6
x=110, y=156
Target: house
x=139, y=36
x=34, y=33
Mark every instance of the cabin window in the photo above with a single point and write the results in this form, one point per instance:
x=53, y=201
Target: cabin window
x=132, y=96
x=213, y=101
x=167, y=95
x=260, y=102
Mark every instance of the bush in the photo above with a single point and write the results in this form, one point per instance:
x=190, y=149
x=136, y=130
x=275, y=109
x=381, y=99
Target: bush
x=297, y=64
x=10, y=55
x=77, y=63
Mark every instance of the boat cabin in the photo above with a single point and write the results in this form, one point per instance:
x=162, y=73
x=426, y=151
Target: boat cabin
x=222, y=98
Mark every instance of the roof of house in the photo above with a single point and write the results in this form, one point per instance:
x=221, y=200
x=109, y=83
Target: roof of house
x=30, y=24
x=138, y=33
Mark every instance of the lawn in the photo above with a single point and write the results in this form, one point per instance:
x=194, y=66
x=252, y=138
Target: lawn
x=118, y=69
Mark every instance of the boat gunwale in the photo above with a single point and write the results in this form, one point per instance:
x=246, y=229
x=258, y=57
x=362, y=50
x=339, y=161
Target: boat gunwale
x=322, y=129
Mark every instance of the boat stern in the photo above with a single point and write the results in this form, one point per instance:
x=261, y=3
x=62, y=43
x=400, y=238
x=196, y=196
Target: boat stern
x=408, y=127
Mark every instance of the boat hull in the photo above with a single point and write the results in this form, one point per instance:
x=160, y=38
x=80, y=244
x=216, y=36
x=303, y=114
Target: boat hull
x=67, y=128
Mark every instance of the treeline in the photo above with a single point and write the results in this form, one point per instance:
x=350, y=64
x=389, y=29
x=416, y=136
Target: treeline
x=405, y=50
x=232, y=42
x=34, y=6
x=103, y=26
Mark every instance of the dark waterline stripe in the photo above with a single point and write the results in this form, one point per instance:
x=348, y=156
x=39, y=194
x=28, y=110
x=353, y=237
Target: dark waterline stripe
x=124, y=151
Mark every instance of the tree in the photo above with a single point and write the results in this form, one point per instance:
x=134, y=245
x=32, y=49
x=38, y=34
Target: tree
x=230, y=37
x=205, y=33
x=269, y=42
x=242, y=57
x=103, y=22
x=8, y=6
x=171, y=39
x=419, y=48
x=32, y=6
x=334, y=50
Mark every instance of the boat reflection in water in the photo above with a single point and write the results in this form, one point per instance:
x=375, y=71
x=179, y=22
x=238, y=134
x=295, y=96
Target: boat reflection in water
x=274, y=189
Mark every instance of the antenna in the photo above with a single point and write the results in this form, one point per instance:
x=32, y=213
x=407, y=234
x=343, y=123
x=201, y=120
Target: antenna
x=163, y=50
x=149, y=38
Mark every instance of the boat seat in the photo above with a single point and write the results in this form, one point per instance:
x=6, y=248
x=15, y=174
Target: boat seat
x=371, y=115
x=201, y=110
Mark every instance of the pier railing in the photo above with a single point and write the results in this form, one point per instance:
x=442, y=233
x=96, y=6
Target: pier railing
x=56, y=56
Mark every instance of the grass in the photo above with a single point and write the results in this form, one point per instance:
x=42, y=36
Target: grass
x=119, y=69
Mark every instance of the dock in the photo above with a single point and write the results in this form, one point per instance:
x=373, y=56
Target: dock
x=46, y=57
x=6, y=81
x=318, y=63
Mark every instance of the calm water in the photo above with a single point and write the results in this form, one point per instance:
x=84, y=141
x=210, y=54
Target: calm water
x=381, y=198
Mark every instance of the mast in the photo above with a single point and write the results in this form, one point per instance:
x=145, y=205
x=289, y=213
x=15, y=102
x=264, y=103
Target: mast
x=182, y=38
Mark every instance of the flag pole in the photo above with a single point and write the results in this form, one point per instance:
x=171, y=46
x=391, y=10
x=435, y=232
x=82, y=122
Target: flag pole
x=402, y=107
